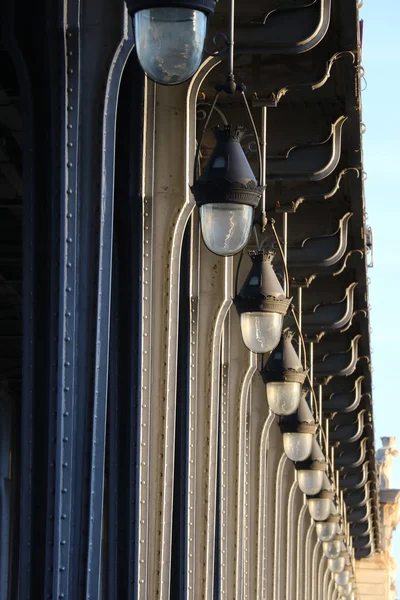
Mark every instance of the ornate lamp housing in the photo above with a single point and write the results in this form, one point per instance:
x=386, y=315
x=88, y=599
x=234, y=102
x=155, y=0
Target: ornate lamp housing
x=284, y=376
x=337, y=565
x=310, y=473
x=261, y=304
x=345, y=590
x=298, y=433
x=327, y=530
x=169, y=36
x=320, y=506
x=333, y=548
x=227, y=193
x=343, y=578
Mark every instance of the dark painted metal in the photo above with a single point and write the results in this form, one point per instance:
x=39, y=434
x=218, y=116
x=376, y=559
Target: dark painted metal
x=320, y=251
x=344, y=401
x=285, y=31
x=351, y=455
x=355, y=479
x=206, y=6
x=311, y=162
x=330, y=316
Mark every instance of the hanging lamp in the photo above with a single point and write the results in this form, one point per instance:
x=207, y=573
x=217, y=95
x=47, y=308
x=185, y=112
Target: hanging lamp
x=227, y=193
x=284, y=376
x=298, y=432
x=169, y=36
x=261, y=304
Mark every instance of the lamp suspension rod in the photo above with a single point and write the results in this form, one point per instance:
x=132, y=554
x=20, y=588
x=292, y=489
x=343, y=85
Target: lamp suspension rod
x=311, y=362
x=263, y=177
x=327, y=439
x=197, y=154
x=231, y=41
x=281, y=252
x=299, y=312
x=320, y=410
x=285, y=238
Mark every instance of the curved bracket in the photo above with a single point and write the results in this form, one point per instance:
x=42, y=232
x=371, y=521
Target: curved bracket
x=348, y=432
x=347, y=456
x=290, y=200
x=321, y=251
x=338, y=364
x=275, y=96
x=358, y=498
x=286, y=30
x=360, y=514
x=311, y=162
x=360, y=529
x=344, y=402
x=330, y=316
x=354, y=480
x=363, y=545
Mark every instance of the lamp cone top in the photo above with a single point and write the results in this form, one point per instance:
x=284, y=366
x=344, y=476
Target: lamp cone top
x=284, y=363
x=228, y=160
x=262, y=291
x=227, y=176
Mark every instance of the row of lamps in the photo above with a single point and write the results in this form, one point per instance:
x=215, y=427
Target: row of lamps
x=169, y=40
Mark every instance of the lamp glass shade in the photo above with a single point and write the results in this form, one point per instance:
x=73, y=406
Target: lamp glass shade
x=336, y=565
x=320, y=508
x=297, y=446
x=342, y=578
x=284, y=397
x=169, y=42
x=310, y=481
x=345, y=590
x=226, y=227
x=332, y=549
x=326, y=531
x=261, y=331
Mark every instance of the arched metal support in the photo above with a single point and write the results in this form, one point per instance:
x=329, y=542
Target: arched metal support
x=301, y=559
x=285, y=469
x=308, y=551
x=322, y=573
x=295, y=506
x=266, y=495
x=316, y=563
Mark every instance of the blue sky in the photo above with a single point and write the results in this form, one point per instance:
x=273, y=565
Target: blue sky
x=381, y=50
